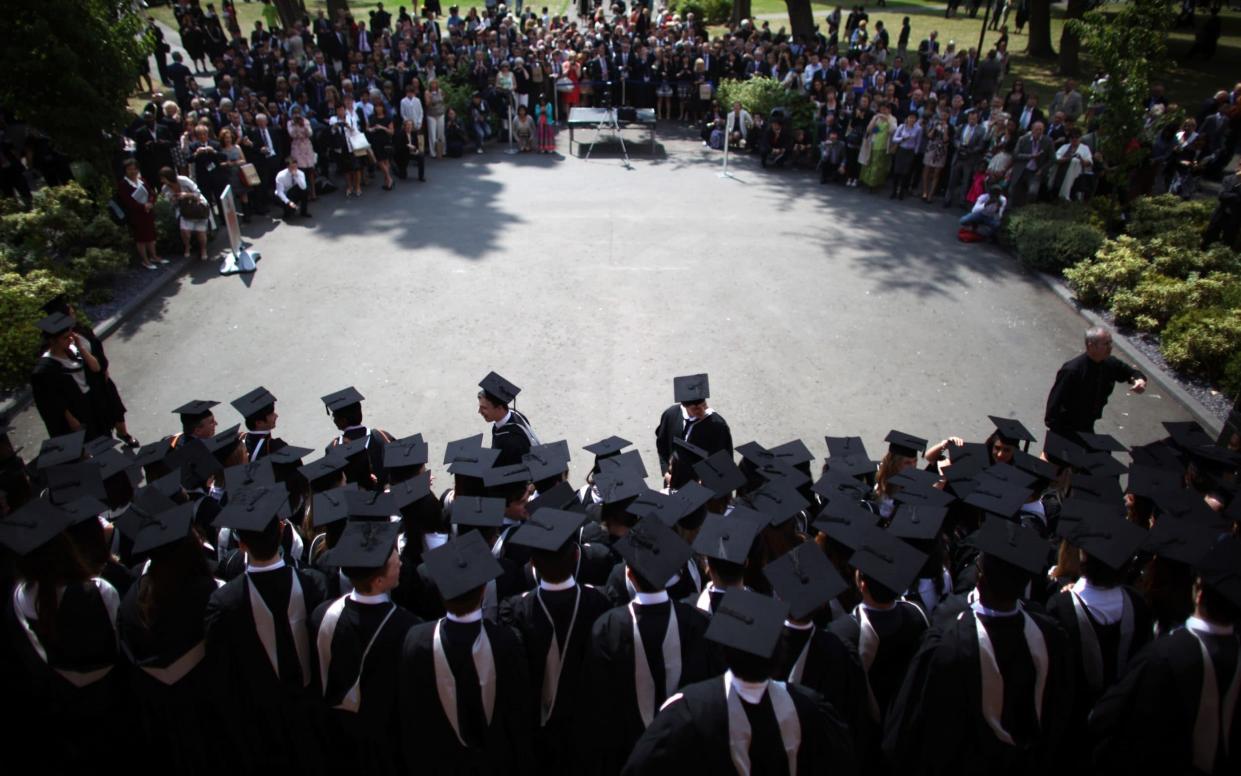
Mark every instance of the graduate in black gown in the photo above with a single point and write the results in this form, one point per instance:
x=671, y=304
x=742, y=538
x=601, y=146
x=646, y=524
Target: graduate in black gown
x=725, y=542
x=1175, y=710
x=259, y=643
x=162, y=632
x=991, y=690
x=690, y=420
x=643, y=652
x=465, y=700
x=745, y=721
x=258, y=408
x=511, y=432
x=59, y=381
x=366, y=455
x=554, y=622
x=358, y=641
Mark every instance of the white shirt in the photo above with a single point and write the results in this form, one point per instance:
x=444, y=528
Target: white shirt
x=650, y=599
x=474, y=616
x=1104, y=603
x=750, y=692
x=1202, y=626
x=411, y=110
x=286, y=180
x=273, y=566
x=985, y=200
x=567, y=584
x=1082, y=153
x=378, y=598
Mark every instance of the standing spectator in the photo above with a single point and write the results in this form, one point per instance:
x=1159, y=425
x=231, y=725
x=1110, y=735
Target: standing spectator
x=1084, y=383
x=905, y=143
x=1068, y=100
x=454, y=135
x=1226, y=219
x=206, y=157
x=268, y=144
x=191, y=207
x=231, y=165
x=381, y=133
x=938, y=133
x=546, y=125
x=875, y=157
x=411, y=109
x=436, y=109
x=969, y=144
x=300, y=146
x=138, y=199
x=1030, y=160
x=58, y=382
x=479, y=124
x=406, y=148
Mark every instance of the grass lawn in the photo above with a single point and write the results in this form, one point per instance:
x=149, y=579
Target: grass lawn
x=248, y=13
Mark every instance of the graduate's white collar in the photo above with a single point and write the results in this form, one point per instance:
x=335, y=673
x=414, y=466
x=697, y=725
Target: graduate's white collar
x=977, y=606
x=378, y=598
x=1106, y=604
x=650, y=599
x=801, y=626
x=259, y=432
x=276, y=564
x=750, y=692
x=568, y=584
x=507, y=417
x=474, y=616
x=685, y=413
x=1202, y=626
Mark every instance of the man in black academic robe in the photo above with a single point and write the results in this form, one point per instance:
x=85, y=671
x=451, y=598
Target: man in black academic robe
x=511, y=432
x=1084, y=383
x=367, y=470
x=691, y=420
x=258, y=408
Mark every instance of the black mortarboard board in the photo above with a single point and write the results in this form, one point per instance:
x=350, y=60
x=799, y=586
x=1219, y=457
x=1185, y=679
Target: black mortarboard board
x=719, y=473
x=757, y=459
x=749, y=622
x=835, y=484
x=915, y=477
x=923, y=495
x=113, y=462
x=692, y=496
x=1110, y=538
x=512, y=474
x=630, y=460
x=84, y=508
x=252, y=509
x=755, y=453
x=653, y=550
x=904, y=444
x=247, y=474
x=56, y=323
x=32, y=526
x=495, y=385
x=345, y=397
x=1215, y=457
x=688, y=452
x=148, y=503
x=1146, y=481
x=62, y=449
x=222, y=444
x=57, y=304
x=366, y=544
x=253, y=403
x=170, y=483
x=1187, y=505
x=196, y=462
x=1100, y=442
x=330, y=465
x=462, y=449
x=1102, y=464
x=793, y=453
x=1184, y=541
x=1022, y=547
x=169, y=526
x=778, y=501
x=917, y=522
x=845, y=521
x=100, y=445
x=691, y=388
x=848, y=456
x=289, y=455
x=371, y=505
x=462, y=564
x=605, y=447
x=997, y=496
x=549, y=530
x=331, y=506
x=559, y=496
x=726, y=538
x=549, y=460
x=478, y=511
x=152, y=452
x=619, y=485
x=1011, y=429
x=1074, y=510
x=966, y=460
x=1157, y=455
x=473, y=462
x=886, y=559
x=1062, y=452
x=653, y=503
x=353, y=450
x=805, y=579
x=1220, y=569
x=409, y=452
x=845, y=446
x=73, y=480
x=1187, y=434
x=1034, y=466
x=1098, y=488
x=408, y=491
x=193, y=412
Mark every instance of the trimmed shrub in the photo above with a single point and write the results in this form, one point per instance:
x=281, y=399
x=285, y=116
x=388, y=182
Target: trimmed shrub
x=1118, y=265
x=1158, y=298
x=167, y=230
x=65, y=232
x=705, y=11
x=1050, y=237
x=21, y=296
x=1206, y=341
x=762, y=95
x=1169, y=217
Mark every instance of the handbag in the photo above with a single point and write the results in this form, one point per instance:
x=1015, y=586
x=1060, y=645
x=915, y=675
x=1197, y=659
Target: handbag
x=357, y=140
x=704, y=91
x=250, y=175
x=191, y=207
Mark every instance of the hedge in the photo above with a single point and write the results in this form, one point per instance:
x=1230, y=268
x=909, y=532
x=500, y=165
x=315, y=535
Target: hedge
x=704, y=11
x=21, y=297
x=1050, y=237
x=762, y=95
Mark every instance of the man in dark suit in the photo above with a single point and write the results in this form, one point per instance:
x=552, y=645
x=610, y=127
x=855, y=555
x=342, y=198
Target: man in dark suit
x=1030, y=114
x=928, y=48
x=987, y=77
x=900, y=76
x=1084, y=384
x=178, y=74
x=969, y=142
x=322, y=67
x=1030, y=161
x=267, y=147
x=690, y=420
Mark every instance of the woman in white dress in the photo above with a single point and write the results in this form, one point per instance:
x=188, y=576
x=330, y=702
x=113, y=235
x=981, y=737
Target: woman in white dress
x=182, y=193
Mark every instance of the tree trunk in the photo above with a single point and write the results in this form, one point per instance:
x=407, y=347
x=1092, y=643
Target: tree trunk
x=290, y=12
x=1040, y=30
x=801, y=18
x=334, y=7
x=741, y=10
x=1070, y=44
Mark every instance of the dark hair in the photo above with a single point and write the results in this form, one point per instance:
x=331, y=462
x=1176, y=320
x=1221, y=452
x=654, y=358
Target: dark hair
x=557, y=565
x=118, y=490
x=57, y=563
x=252, y=420
x=729, y=573
x=91, y=542
x=1002, y=580
x=348, y=416
x=747, y=666
x=1101, y=574
x=1219, y=609
x=879, y=591
x=173, y=567
x=264, y=544
x=493, y=399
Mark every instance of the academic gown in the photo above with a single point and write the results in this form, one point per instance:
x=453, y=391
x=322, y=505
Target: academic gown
x=559, y=748
x=501, y=747
x=365, y=740
x=259, y=446
x=691, y=735
x=612, y=704
x=269, y=711
x=55, y=391
x=430, y=606
x=711, y=433
x=936, y=724
x=1146, y=722
x=620, y=591
x=513, y=438
x=830, y=668
x=362, y=473
x=170, y=681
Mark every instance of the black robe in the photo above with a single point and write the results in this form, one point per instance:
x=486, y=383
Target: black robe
x=559, y=746
x=55, y=391
x=832, y=670
x=512, y=439
x=1145, y=722
x=620, y=593
x=259, y=446
x=174, y=721
x=710, y=433
x=503, y=747
x=690, y=735
x=368, y=472
x=1081, y=391
x=612, y=704
x=368, y=740
x=270, y=717
x=936, y=724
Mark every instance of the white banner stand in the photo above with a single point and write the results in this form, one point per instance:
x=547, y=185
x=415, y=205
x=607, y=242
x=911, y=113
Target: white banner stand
x=724, y=173
x=237, y=259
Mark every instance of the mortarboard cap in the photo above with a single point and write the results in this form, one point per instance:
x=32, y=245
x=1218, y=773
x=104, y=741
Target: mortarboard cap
x=845, y=446
x=904, y=444
x=793, y=453
x=331, y=506
x=153, y=452
x=1102, y=464
x=146, y=505
x=966, y=460
x=496, y=386
x=653, y=550
x=550, y=530
x=196, y=463
x=691, y=497
x=653, y=503
x=248, y=474
x=289, y=455
x=691, y=388
x=605, y=447
x=32, y=526
x=409, y=452
x=915, y=478
x=1105, y=443
x=559, y=496
x=999, y=497
x=1011, y=429
x=726, y=538
x=194, y=412
x=342, y=399
x=719, y=473
x=1157, y=455
x=749, y=622
x=779, y=502
x=113, y=462
x=1187, y=434
x=1034, y=466
x=805, y=579
x=511, y=474
x=917, y=522
x=630, y=460
x=100, y=445
x=367, y=544
x=688, y=452
x=222, y=444
x=1074, y=510
x=844, y=521
x=478, y=511
x=171, y=525
x=56, y=323
x=462, y=564
x=84, y=508
x=1110, y=538
x=252, y=509
x=549, y=460
x=370, y=505
x=71, y=481
x=57, y=304
x=1147, y=481
x=1220, y=569
x=254, y=404
x=923, y=495
x=1062, y=451
x=619, y=485
x=1099, y=488
x=847, y=455
x=408, y=491
x=1012, y=543
x=835, y=484
x=473, y=462
x=329, y=466
x=886, y=559
x=462, y=448
x=62, y=449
